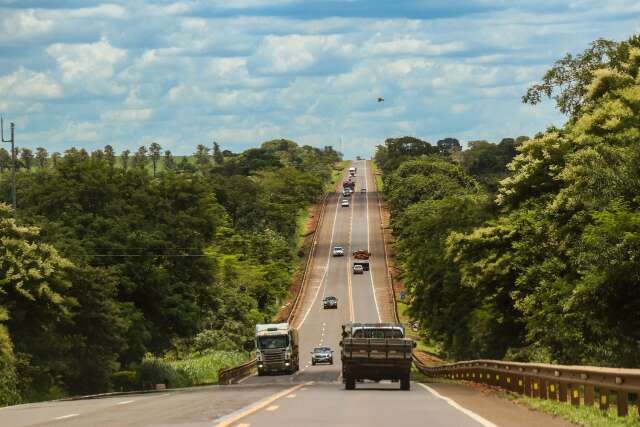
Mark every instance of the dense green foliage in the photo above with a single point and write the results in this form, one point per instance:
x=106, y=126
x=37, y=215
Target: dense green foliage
x=546, y=270
x=117, y=257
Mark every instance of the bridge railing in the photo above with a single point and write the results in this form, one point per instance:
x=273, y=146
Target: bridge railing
x=576, y=385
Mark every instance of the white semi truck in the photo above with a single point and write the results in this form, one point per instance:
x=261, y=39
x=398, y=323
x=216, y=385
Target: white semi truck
x=352, y=171
x=276, y=348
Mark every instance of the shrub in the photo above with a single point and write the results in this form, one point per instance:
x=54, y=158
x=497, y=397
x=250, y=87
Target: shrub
x=125, y=381
x=154, y=371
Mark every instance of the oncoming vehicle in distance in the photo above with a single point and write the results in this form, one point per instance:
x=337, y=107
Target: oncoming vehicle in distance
x=358, y=269
x=322, y=355
x=330, y=302
x=337, y=251
x=345, y=203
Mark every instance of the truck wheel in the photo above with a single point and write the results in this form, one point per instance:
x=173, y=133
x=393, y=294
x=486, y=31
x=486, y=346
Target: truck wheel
x=260, y=372
x=313, y=363
x=350, y=383
x=405, y=383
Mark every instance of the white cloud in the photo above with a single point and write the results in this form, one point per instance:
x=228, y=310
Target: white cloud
x=28, y=84
x=111, y=11
x=128, y=115
x=93, y=61
x=408, y=45
x=299, y=53
x=23, y=25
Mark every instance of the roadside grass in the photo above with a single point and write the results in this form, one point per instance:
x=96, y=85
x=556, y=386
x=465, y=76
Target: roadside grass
x=378, y=177
x=587, y=416
x=202, y=368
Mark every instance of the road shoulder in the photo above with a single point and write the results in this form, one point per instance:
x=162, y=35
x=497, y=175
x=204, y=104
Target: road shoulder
x=502, y=412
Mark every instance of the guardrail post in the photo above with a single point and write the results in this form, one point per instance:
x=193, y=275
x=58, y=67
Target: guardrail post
x=622, y=403
x=553, y=390
x=563, y=392
x=589, y=395
x=575, y=395
x=544, y=389
x=520, y=384
x=535, y=386
x=604, y=399
x=527, y=386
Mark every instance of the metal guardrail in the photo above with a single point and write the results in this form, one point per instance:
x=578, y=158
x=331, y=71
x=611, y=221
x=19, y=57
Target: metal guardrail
x=233, y=375
x=577, y=385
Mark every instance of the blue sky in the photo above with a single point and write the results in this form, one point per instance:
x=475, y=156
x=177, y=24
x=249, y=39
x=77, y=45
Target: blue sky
x=88, y=73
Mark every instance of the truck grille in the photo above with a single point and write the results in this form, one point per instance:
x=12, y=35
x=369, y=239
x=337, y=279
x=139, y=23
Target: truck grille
x=273, y=357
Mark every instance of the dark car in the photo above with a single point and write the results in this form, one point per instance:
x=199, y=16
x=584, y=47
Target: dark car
x=330, y=302
x=322, y=355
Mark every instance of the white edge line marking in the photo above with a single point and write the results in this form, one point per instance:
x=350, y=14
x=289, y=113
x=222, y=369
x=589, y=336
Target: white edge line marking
x=126, y=402
x=366, y=196
x=482, y=421
x=64, y=417
x=241, y=413
x=326, y=268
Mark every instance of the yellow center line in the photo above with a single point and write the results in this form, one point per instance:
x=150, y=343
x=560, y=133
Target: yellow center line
x=234, y=417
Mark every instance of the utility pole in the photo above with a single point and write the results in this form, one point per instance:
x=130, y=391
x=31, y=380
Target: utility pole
x=13, y=164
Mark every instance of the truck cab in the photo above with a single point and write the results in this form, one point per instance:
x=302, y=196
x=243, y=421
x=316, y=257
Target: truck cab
x=276, y=348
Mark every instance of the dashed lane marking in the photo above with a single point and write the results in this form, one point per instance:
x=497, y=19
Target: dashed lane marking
x=64, y=417
x=272, y=408
x=245, y=412
x=126, y=402
x=482, y=421
x=291, y=396
x=326, y=268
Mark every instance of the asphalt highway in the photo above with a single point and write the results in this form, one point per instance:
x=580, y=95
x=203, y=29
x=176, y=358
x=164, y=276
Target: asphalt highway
x=315, y=395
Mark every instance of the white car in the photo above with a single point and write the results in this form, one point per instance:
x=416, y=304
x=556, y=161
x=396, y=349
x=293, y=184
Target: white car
x=345, y=203
x=338, y=251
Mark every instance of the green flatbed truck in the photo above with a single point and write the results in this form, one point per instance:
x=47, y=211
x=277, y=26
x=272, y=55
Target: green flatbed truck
x=375, y=351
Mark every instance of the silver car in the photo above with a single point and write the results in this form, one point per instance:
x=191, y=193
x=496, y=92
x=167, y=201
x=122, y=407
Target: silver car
x=322, y=355
x=345, y=203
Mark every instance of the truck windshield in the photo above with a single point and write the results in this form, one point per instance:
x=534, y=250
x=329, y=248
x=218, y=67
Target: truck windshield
x=378, y=333
x=274, y=341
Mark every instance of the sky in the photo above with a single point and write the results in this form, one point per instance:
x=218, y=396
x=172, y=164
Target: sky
x=87, y=73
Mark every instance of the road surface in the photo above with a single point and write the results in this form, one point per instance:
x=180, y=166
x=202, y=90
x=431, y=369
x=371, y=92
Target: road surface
x=315, y=395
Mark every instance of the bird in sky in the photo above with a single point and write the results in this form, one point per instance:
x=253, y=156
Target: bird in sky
x=380, y=99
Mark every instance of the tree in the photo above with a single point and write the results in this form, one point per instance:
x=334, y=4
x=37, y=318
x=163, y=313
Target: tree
x=26, y=156
x=154, y=154
x=448, y=145
x=140, y=158
x=109, y=156
x=34, y=293
x=55, y=158
x=218, y=157
x=41, y=157
x=567, y=82
x=202, y=156
x=5, y=160
x=169, y=162
x=125, y=160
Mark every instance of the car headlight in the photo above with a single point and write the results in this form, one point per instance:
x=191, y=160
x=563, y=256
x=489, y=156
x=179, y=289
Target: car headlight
x=259, y=356
x=287, y=354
